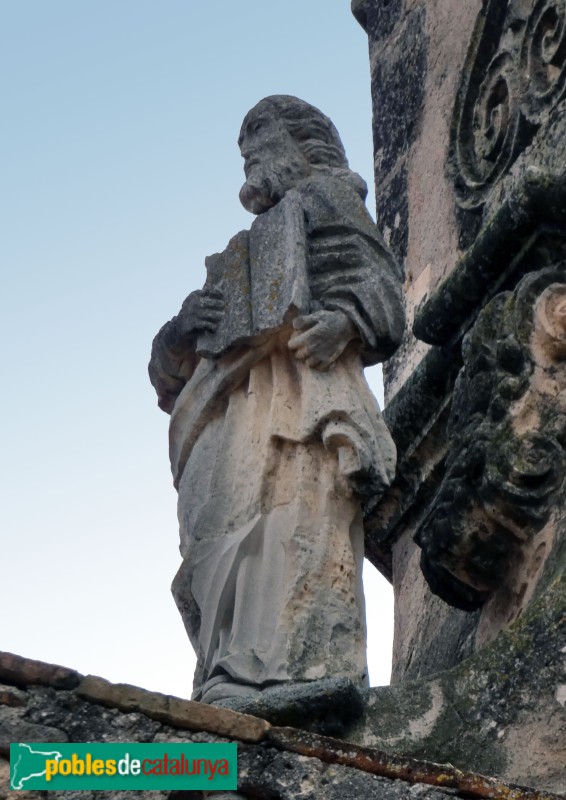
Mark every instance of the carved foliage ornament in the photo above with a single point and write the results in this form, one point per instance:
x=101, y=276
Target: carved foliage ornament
x=515, y=74
x=507, y=434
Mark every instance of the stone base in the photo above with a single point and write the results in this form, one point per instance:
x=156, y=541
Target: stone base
x=43, y=703
x=328, y=706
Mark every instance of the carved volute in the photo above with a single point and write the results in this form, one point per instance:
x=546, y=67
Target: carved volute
x=515, y=75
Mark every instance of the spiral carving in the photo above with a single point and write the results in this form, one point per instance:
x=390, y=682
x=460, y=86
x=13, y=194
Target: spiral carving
x=543, y=58
x=495, y=118
x=489, y=130
x=514, y=76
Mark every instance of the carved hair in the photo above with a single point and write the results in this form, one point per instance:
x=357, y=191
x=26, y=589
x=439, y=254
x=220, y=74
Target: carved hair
x=315, y=134
x=313, y=130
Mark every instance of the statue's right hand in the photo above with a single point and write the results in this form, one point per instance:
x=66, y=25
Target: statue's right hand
x=201, y=311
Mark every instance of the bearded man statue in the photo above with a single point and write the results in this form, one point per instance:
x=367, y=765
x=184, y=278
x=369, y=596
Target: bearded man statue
x=276, y=442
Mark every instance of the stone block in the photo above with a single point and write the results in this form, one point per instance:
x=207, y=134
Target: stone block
x=174, y=711
x=18, y=671
x=11, y=696
x=14, y=728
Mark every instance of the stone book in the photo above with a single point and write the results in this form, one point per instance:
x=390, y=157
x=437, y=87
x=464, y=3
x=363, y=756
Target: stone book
x=262, y=275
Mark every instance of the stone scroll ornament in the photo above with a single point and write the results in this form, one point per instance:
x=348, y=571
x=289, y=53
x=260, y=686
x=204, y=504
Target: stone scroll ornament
x=275, y=439
x=514, y=76
x=507, y=440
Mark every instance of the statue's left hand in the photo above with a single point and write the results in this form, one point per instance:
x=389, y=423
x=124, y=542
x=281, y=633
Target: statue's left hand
x=321, y=338
x=201, y=311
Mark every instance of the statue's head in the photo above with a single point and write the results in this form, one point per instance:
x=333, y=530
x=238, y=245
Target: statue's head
x=284, y=140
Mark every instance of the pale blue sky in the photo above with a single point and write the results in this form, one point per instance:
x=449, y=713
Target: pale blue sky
x=120, y=172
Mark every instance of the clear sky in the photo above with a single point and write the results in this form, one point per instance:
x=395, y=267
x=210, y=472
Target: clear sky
x=119, y=173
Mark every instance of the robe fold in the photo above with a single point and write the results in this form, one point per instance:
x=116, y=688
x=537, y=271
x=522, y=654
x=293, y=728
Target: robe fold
x=271, y=460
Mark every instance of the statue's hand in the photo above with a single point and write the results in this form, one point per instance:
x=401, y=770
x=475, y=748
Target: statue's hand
x=321, y=337
x=201, y=311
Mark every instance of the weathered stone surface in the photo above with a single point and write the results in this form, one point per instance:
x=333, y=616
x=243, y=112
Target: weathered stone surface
x=416, y=52
x=507, y=457
x=276, y=442
x=378, y=19
x=522, y=231
x=425, y=643
x=328, y=706
x=428, y=637
x=399, y=81
x=514, y=79
x=286, y=763
x=478, y=420
x=14, y=727
x=444, y=776
x=499, y=712
x=312, y=779
x=172, y=710
x=528, y=199
x=11, y=696
x=87, y=721
x=25, y=672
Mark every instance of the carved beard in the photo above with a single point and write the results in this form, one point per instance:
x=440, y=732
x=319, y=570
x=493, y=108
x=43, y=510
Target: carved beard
x=266, y=183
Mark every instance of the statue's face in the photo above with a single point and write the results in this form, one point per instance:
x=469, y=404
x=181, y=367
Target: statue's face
x=273, y=161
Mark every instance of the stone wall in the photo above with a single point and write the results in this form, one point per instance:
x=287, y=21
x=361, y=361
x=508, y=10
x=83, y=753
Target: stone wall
x=469, y=151
x=417, y=50
x=47, y=703
x=470, y=154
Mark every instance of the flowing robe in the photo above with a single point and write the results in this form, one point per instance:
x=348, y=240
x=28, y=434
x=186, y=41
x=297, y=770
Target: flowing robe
x=271, y=460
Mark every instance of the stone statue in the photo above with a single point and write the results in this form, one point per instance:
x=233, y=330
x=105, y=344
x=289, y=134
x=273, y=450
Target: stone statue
x=276, y=441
